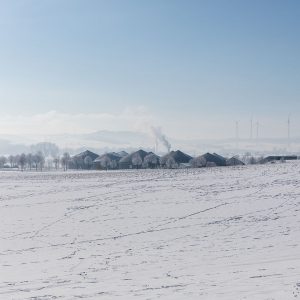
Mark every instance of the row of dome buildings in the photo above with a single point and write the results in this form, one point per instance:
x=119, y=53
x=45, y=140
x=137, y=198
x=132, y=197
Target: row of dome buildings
x=143, y=159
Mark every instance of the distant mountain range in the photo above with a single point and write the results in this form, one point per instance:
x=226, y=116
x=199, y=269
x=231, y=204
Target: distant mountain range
x=118, y=137
x=105, y=141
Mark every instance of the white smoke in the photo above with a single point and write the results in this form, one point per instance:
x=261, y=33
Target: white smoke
x=160, y=137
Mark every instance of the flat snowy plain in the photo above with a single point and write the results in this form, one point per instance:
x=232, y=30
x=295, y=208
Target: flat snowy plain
x=219, y=233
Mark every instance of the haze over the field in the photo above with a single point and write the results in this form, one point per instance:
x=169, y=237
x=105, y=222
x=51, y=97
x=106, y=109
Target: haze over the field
x=194, y=68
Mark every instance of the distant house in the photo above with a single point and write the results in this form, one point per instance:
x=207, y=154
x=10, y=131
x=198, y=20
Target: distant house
x=86, y=153
x=222, y=158
x=274, y=158
x=174, y=159
x=151, y=161
x=233, y=161
x=107, y=161
x=133, y=160
x=213, y=159
x=83, y=160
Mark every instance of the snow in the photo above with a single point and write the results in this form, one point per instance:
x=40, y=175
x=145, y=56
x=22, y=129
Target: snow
x=217, y=233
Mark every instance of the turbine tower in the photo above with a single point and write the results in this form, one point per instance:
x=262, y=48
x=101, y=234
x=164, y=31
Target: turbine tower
x=257, y=131
x=237, y=133
x=288, y=130
x=251, y=128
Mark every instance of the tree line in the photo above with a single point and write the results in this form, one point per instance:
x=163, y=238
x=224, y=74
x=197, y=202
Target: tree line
x=35, y=161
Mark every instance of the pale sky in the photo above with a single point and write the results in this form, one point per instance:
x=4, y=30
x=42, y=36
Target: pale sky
x=192, y=67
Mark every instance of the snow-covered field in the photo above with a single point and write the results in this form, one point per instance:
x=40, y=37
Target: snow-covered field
x=219, y=233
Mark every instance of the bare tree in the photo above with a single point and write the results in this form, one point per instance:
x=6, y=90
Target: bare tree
x=3, y=161
x=65, y=160
x=137, y=160
x=245, y=157
x=198, y=162
x=35, y=160
x=113, y=164
x=252, y=160
x=49, y=163
x=105, y=162
x=38, y=160
x=171, y=163
x=16, y=160
x=29, y=159
x=41, y=160
x=47, y=149
x=261, y=159
x=88, y=162
x=56, y=163
x=77, y=162
x=11, y=160
x=22, y=161
x=151, y=161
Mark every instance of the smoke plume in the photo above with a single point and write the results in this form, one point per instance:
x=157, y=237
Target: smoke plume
x=160, y=137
